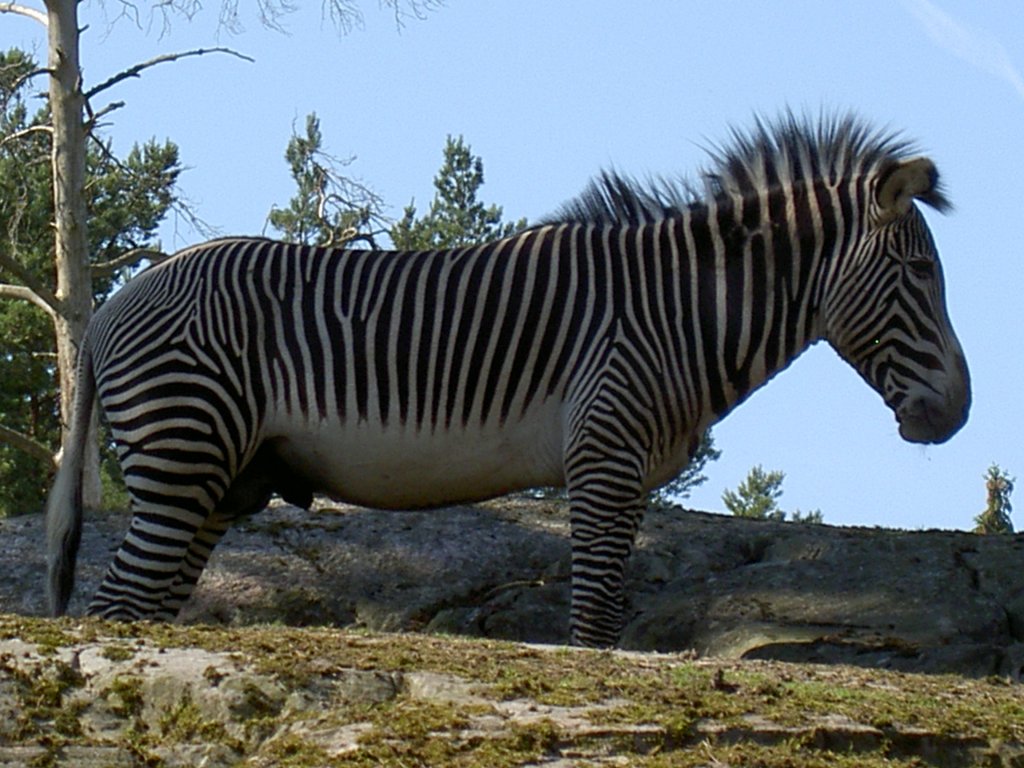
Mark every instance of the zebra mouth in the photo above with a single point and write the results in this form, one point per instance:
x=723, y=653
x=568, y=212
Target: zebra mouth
x=930, y=418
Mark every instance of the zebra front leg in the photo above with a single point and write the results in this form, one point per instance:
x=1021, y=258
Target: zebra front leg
x=606, y=508
x=600, y=551
x=605, y=463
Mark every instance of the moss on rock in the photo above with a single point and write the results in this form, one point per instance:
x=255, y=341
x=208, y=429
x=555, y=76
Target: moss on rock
x=278, y=696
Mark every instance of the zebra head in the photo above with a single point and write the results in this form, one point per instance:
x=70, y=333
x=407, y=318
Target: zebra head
x=885, y=313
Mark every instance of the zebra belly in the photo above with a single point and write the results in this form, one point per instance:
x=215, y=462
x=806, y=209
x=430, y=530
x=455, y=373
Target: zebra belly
x=399, y=468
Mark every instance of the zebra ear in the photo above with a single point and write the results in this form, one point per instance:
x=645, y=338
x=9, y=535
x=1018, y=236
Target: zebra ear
x=899, y=184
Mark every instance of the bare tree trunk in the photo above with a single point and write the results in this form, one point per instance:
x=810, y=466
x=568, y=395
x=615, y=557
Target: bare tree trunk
x=74, y=284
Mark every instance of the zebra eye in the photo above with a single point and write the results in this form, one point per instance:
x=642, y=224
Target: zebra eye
x=921, y=267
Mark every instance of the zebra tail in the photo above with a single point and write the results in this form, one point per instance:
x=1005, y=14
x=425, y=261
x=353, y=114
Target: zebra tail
x=64, y=504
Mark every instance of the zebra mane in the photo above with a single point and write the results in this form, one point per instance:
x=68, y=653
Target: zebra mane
x=774, y=152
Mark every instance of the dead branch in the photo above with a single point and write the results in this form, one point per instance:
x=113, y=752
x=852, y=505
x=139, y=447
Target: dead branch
x=137, y=70
x=417, y=9
x=344, y=14
x=26, y=132
x=127, y=259
x=94, y=117
x=28, y=76
x=271, y=15
x=24, y=10
x=28, y=445
x=180, y=204
x=368, y=238
x=38, y=294
x=8, y=291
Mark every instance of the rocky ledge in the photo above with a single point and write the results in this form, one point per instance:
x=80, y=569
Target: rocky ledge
x=763, y=643
x=92, y=695
x=922, y=601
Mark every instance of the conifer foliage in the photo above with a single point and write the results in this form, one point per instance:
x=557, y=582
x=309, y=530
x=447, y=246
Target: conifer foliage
x=126, y=199
x=456, y=216
x=758, y=496
x=329, y=207
x=996, y=516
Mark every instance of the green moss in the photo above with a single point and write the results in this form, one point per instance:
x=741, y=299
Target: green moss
x=674, y=694
x=407, y=732
x=294, y=751
x=117, y=652
x=769, y=756
x=124, y=695
x=524, y=744
x=41, y=713
x=257, y=703
x=40, y=693
x=185, y=724
x=48, y=636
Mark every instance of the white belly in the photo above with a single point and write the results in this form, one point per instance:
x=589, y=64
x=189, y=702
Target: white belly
x=399, y=468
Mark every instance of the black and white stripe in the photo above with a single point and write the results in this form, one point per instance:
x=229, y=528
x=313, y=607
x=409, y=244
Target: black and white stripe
x=592, y=351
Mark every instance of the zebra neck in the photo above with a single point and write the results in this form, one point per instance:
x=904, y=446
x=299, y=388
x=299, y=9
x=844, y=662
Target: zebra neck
x=756, y=289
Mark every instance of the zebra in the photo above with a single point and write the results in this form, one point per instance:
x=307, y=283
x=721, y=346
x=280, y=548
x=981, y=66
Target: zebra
x=591, y=351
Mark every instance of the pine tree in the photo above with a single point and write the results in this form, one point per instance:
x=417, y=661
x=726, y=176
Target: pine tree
x=996, y=516
x=456, y=217
x=814, y=517
x=125, y=199
x=328, y=208
x=691, y=477
x=758, y=496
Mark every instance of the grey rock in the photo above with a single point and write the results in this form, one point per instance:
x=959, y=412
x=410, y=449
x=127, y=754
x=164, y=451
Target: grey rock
x=935, y=601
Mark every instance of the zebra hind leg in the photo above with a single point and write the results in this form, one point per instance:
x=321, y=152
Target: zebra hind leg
x=139, y=579
x=249, y=494
x=174, y=505
x=192, y=566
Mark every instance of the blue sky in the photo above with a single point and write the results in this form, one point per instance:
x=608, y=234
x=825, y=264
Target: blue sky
x=550, y=93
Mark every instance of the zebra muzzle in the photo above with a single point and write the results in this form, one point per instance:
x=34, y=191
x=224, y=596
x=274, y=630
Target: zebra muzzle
x=932, y=418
